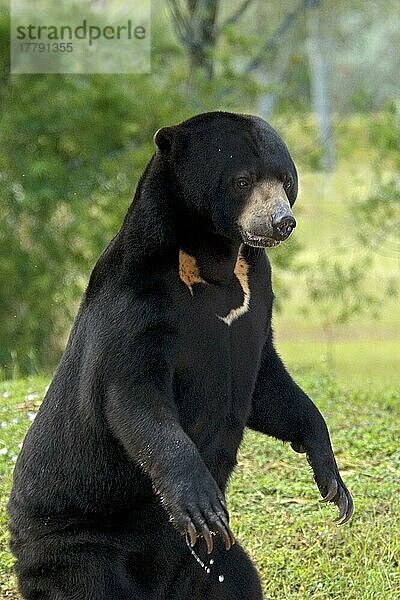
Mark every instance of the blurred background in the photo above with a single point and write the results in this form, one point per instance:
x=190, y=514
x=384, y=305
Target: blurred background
x=324, y=73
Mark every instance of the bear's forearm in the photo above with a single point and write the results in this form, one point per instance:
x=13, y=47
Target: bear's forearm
x=281, y=409
x=148, y=427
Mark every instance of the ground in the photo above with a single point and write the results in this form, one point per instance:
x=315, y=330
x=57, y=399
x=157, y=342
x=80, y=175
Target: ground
x=328, y=224
x=273, y=503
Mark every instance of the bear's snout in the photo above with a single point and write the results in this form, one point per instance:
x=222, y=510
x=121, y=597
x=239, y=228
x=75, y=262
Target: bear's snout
x=282, y=226
x=267, y=218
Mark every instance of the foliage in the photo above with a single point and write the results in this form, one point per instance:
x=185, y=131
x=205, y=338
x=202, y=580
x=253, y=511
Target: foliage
x=384, y=133
x=380, y=218
x=73, y=147
x=336, y=293
x=335, y=290
x=66, y=167
x=338, y=287
x=379, y=213
x=72, y=150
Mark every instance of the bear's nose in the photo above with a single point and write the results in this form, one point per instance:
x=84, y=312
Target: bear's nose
x=282, y=227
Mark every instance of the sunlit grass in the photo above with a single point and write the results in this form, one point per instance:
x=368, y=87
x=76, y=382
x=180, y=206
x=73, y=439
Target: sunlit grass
x=273, y=501
x=353, y=363
x=298, y=550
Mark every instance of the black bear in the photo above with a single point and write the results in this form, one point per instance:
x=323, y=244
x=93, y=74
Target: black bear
x=119, y=487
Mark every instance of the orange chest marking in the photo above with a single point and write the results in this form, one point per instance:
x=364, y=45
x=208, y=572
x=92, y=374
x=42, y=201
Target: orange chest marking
x=241, y=271
x=189, y=271
x=190, y=274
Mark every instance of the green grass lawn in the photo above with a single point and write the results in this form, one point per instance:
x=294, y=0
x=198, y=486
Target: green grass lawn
x=328, y=225
x=365, y=350
x=372, y=363
x=273, y=502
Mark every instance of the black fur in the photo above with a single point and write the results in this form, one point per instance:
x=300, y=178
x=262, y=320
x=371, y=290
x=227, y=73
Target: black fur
x=142, y=422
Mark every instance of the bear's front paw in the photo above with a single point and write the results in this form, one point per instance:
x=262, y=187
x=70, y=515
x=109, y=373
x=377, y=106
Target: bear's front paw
x=332, y=488
x=198, y=510
x=337, y=493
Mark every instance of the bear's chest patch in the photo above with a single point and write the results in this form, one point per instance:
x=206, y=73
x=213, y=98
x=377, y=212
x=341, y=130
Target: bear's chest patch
x=189, y=274
x=189, y=271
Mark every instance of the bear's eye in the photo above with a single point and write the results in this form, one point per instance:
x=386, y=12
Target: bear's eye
x=288, y=183
x=242, y=182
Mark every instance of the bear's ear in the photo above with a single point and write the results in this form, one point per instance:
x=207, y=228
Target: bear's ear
x=164, y=138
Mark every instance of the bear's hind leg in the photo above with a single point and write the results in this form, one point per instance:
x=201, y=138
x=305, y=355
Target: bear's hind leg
x=232, y=576
x=81, y=575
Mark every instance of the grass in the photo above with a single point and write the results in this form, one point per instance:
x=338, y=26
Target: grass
x=352, y=362
x=299, y=552
x=19, y=400
x=297, y=549
x=274, y=504
x=366, y=348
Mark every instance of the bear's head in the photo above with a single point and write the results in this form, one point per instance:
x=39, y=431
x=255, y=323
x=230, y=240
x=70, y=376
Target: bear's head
x=234, y=174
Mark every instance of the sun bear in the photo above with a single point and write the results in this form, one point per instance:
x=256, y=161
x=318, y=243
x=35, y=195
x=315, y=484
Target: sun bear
x=119, y=489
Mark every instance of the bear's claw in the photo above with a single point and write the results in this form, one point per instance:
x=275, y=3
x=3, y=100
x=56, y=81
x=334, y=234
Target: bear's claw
x=346, y=507
x=332, y=491
x=338, y=494
x=200, y=511
x=218, y=524
x=330, y=484
x=192, y=534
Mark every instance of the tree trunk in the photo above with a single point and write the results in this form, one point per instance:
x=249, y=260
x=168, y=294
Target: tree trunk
x=320, y=97
x=203, y=18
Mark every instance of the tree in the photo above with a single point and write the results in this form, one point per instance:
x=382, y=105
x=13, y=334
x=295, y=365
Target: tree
x=196, y=25
x=336, y=294
x=320, y=96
